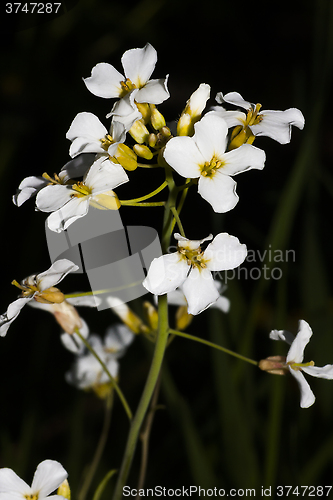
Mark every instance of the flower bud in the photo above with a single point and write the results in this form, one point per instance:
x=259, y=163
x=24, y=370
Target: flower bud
x=143, y=151
x=151, y=315
x=152, y=140
x=64, y=490
x=183, y=318
x=126, y=157
x=145, y=110
x=50, y=296
x=274, y=364
x=139, y=132
x=67, y=317
x=157, y=119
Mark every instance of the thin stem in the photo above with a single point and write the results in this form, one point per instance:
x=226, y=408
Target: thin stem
x=100, y=448
x=182, y=200
x=154, y=371
x=130, y=203
x=105, y=368
x=211, y=344
x=145, y=435
x=146, y=196
x=179, y=224
x=147, y=165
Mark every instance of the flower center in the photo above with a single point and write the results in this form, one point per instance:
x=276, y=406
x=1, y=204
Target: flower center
x=210, y=167
x=107, y=141
x=298, y=366
x=81, y=190
x=29, y=288
x=126, y=87
x=193, y=257
x=253, y=118
x=31, y=497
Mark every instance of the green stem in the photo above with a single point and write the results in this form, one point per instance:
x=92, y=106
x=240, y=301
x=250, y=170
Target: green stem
x=129, y=203
x=105, y=368
x=146, y=196
x=154, y=372
x=100, y=448
x=211, y=344
x=177, y=219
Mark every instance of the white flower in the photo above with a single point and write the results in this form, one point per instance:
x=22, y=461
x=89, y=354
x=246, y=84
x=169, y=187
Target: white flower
x=88, y=135
x=190, y=267
x=105, y=81
x=31, y=185
x=87, y=373
x=204, y=156
x=69, y=203
x=294, y=360
x=48, y=477
x=39, y=287
x=274, y=124
x=125, y=111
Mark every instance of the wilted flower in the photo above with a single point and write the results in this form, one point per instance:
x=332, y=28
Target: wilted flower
x=203, y=156
x=38, y=287
x=294, y=360
x=190, y=267
x=48, y=477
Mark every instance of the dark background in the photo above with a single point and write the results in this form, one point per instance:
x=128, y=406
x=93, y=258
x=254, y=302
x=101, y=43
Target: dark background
x=223, y=423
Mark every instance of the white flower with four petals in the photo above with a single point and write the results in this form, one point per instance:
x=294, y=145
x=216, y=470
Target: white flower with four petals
x=203, y=156
x=191, y=268
x=294, y=360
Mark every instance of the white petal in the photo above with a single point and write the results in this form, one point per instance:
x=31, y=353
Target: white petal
x=139, y=64
x=183, y=155
x=232, y=118
x=219, y=191
x=225, y=252
x=190, y=244
x=236, y=99
x=199, y=290
x=55, y=274
x=13, y=311
x=76, y=167
x=86, y=131
x=104, y=175
x=296, y=351
x=222, y=303
x=86, y=125
x=104, y=81
x=126, y=111
x=211, y=136
x=28, y=188
x=320, y=371
x=277, y=124
x=166, y=273
x=243, y=158
x=48, y=476
x=154, y=92
x=282, y=335
x=10, y=482
x=117, y=339
x=72, y=342
x=197, y=102
x=69, y=213
x=53, y=197
x=307, y=396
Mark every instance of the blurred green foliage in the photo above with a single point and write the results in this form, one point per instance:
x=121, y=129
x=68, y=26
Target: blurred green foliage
x=223, y=423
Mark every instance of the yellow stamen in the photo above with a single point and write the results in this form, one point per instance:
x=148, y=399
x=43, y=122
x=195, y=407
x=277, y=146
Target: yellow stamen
x=107, y=141
x=299, y=366
x=81, y=190
x=209, y=168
